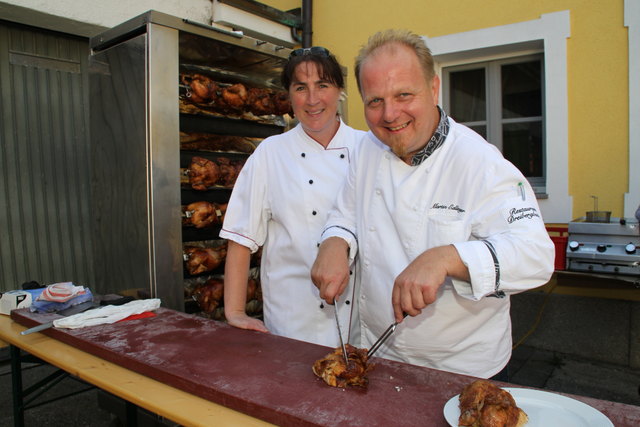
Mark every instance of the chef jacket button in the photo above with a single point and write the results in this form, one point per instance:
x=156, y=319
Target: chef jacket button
x=310, y=181
x=317, y=245
x=372, y=228
x=406, y=246
x=342, y=156
x=347, y=302
x=321, y=305
x=350, y=272
x=314, y=213
x=303, y=154
x=378, y=192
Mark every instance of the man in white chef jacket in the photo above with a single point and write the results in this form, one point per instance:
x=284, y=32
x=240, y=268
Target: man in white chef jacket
x=445, y=228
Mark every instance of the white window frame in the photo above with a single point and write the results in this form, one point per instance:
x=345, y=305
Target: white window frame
x=632, y=22
x=548, y=34
x=494, y=119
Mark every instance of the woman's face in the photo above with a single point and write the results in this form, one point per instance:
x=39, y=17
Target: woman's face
x=314, y=102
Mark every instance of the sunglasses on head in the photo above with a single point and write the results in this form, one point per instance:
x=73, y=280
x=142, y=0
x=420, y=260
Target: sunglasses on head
x=315, y=50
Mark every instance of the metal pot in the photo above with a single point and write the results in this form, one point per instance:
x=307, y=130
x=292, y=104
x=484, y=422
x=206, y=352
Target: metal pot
x=598, y=216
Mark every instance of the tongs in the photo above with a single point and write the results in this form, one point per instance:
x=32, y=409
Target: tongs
x=386, y=334
x=344, y=348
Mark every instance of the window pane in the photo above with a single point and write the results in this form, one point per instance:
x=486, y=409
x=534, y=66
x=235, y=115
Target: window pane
x=468, y=95
x=521, y=90
x=522, y=146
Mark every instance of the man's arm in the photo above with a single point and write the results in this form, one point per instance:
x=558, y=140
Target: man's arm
x=330, y=271
x=417, y=286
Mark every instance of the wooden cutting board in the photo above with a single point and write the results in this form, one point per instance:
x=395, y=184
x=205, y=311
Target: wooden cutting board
x=262, y=375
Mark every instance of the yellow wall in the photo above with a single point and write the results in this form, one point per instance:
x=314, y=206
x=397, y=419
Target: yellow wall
x=597, y=67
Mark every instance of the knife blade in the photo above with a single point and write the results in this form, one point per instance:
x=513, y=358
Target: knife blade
x=386, y=334
x=74, y=309
x=344, y=348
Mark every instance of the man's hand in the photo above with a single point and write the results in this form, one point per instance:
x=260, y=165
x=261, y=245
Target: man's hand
x=242, y=321
x=330, y=271
x=417, y=286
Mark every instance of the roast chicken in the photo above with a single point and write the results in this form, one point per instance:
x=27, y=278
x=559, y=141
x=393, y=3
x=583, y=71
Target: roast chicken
x=229, y=171
x=202, y=88
x=483, y=404
x=203, y=173
x=212, y=142
x=235, y=98
x=281, y=103
x=203, y=214
x=210, y=294
x=334, y=372
x=201, y=260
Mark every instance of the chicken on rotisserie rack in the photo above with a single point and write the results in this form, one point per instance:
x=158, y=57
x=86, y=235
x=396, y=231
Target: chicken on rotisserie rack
x=333, y=371
x=202, y=88
x=234, y=99
x=210, y=294
x=201, y=260
x=483, y=404
x=205, y=173
x=197, y=141
x=203, y=214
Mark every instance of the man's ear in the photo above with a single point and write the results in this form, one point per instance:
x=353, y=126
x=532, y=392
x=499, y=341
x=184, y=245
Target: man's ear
x=435, y=88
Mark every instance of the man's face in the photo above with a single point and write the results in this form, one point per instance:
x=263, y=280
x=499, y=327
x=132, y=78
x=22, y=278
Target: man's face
x=399, y=104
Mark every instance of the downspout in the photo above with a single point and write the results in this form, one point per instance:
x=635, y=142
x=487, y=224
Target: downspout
x=307, y=31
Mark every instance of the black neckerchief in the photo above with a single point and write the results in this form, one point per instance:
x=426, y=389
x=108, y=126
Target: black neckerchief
x=436, y=140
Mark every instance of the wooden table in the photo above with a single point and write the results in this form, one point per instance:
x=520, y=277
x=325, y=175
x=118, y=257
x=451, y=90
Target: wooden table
x=174, y=404
x=196, y=371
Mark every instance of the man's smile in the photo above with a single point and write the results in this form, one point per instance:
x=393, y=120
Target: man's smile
x=397, y=128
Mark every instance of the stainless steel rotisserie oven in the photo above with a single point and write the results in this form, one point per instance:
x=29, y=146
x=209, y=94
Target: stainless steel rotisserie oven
x=176, y=109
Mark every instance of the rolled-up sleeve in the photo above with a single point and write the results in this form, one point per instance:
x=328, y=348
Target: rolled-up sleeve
x=507, y=221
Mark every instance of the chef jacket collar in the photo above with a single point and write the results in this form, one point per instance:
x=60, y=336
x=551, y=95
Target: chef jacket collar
x=437, y=139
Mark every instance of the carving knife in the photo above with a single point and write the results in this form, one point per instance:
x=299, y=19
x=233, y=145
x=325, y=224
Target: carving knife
x=386, y=334
x=344, y=348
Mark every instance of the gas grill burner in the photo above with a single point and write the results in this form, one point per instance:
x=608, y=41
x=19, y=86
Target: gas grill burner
x=604, y=247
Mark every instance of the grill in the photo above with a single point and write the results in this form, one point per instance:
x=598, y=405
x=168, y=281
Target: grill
x=604, y=247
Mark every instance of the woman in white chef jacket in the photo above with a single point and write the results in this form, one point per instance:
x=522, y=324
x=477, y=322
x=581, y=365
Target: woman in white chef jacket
x=280, y=201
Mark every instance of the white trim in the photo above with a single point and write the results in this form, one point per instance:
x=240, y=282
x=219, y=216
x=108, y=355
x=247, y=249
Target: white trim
x=548, y=34
x=632, y=22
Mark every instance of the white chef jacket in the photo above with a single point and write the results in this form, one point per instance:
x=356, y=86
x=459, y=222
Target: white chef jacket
x=280, y=200
x=462, y=194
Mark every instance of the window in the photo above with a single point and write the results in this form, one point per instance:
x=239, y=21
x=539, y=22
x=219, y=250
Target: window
x=503, y=101
x=546, y=37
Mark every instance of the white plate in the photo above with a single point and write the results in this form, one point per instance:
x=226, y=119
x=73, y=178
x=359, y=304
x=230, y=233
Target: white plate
x=544, y=409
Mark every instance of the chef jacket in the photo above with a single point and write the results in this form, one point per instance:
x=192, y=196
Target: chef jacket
x=280, y=200
x=465, y=194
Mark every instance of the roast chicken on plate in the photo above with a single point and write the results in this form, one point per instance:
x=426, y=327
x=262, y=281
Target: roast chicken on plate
x=483, y=404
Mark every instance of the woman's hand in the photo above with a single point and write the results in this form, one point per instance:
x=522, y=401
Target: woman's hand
x=242, y=321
